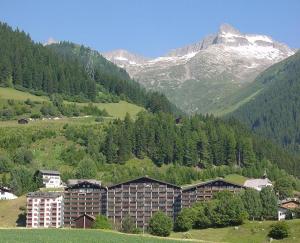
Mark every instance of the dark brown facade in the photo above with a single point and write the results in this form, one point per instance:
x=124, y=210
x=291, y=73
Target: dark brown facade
x=141, y=198
x=204, y=191
x=83, y=197
x=84, y=221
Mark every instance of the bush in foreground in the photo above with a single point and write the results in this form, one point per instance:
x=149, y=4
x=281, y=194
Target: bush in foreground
x=101, y=222
x=128, y=226
x=184, y=221
x=279, y=230
x=160, y=224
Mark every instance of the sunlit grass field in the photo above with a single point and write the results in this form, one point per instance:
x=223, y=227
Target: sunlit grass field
x=250, y=232
x=115, y=110
x=75, y=235
x=10, y=210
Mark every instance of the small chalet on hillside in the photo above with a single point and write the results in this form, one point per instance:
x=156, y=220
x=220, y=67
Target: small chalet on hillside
x=287, y=207
x=50, y=178
x=6, y=194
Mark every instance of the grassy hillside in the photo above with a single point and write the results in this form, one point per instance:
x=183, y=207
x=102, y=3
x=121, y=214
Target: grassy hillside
x=10, y=93
x=116, y=110
x=251, y=232
x=68, y=236
x=10, y=211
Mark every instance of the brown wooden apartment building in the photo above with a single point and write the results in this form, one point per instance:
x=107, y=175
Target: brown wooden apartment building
x=83, y=197
x=139, y=198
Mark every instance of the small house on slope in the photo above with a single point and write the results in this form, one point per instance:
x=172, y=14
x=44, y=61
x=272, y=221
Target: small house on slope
x=6, y=193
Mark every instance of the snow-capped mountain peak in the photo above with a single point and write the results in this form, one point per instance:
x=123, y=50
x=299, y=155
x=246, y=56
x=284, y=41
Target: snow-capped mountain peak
x=124, y=58
x=208, y=70
x=228, y=29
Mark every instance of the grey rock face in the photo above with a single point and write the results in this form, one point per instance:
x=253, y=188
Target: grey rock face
x=201, y=76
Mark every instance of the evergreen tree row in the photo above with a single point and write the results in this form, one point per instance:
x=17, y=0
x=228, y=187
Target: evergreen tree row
x=197, y=141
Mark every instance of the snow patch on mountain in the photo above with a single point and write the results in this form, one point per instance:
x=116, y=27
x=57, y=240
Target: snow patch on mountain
x=208, y=70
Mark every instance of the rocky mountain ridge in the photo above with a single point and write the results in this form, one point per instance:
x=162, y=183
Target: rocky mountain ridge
x=199, y=77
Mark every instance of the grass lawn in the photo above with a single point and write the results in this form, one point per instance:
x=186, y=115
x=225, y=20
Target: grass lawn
x=116, y=110
x=9, y=211
x=74, y=235
x=9, y=93
x=250, y=232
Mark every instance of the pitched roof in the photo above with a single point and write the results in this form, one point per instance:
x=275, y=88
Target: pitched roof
x=5, y=189
x=147, y=178
x=50, y=172
x=73, y=182
x=210, y=181
x=44, y=194
x=257, y=182
x=85, y=214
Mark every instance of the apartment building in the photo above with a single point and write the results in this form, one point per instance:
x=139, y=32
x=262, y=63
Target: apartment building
x=44, y=210
x=206, y=190
x=83, y=197
x=141, y=198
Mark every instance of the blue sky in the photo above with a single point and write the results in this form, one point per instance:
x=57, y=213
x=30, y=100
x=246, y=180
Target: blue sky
x=150, y=27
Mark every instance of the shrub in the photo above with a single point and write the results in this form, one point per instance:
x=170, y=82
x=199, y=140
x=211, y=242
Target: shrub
x=279, y=230
x=5, y=164
x=99, y=119
x=35, y=115
x=160, y=224
x=23, y=156
x=86, y=169
x=128, y=226
x=101, y=222
x=184, y=221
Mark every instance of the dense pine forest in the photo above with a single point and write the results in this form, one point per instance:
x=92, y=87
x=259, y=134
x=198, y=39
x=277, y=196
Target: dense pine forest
x=197, y=148
x=29, y=66
x=275, y=111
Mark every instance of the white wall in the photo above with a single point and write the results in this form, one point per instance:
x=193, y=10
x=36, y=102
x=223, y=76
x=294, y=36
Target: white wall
x=7, y=196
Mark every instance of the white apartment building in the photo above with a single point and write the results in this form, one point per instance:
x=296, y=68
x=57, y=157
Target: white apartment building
x=50, y=178
x=6, y=194
x=44, y=210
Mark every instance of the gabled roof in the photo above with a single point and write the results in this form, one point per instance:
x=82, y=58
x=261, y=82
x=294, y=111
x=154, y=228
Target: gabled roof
x=85, y=214
x=145, y=178
x=50, y=172
x=257, y=182
x=211, y=181
x=74, y=182
x=40, y=194
x=5, y=189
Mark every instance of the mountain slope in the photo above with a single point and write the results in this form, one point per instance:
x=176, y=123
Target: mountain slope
x=24, y=63
x=75, y=72
x=202, y=76
x=112, y=78
x=275, y=111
